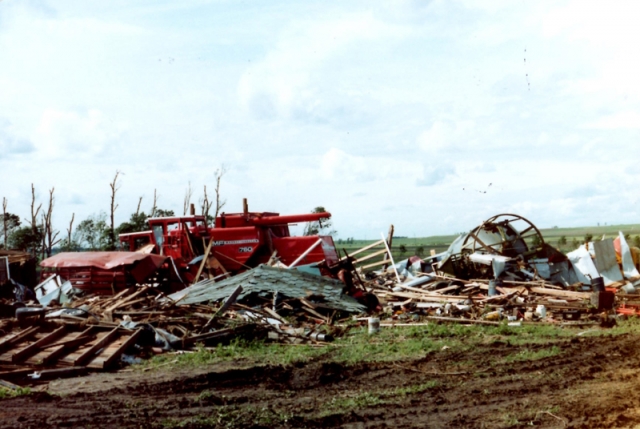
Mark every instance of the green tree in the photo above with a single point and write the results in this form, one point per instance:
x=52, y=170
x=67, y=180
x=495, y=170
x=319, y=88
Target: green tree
x=322, y=226
x=163, y=213
x=403, y=249
x=137, y=222
x=27, y=239
x=93, y=233
x=8, y=224
x=562, y=241
x=69, y=246
x=420, y=250
x=588, y=237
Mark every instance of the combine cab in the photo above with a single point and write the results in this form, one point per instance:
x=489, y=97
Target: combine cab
x=236, y=242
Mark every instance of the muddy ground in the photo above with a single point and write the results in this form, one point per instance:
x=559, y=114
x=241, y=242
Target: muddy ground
x=590, y=383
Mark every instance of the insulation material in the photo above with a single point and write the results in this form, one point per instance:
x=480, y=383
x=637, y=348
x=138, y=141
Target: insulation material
x=583, y=265
x=606, y=262
x=628, y=267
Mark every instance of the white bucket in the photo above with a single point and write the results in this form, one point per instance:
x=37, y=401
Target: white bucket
x=374, y=325
x=542, y=311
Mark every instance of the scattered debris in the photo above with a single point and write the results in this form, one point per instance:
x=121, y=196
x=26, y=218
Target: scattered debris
x=95, y=310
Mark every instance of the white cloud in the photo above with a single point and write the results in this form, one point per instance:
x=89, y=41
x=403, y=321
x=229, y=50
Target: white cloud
x=446, y=136
x=10, y=143
x=341, y=166
x=338, y=104
x=82, y=134
x=287, y=77
x=620, y=120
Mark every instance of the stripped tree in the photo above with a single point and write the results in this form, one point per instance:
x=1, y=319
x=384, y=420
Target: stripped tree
x=155, y=204
x=48, y=234
x=114, y=189
x=219, y=202
x=10, y=222
x=187, y=200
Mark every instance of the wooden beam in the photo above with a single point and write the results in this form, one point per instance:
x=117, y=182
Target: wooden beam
x=19, y=337
x=120, y=350
x=64, y=349
x=35, y=347
x=204, y=260
x=370, y=246
x=90, y=354
x=371, y=255
x=564, y=293
x=389, y=241
x=374, y=264
x=456, y=320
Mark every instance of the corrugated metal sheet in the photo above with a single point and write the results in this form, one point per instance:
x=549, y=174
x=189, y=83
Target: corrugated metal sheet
x=265, y=279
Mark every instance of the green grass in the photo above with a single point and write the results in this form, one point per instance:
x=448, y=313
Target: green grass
x=529, y=355
x=390, y=344
x=232, y=417
x=349, y=402
x=9, y=393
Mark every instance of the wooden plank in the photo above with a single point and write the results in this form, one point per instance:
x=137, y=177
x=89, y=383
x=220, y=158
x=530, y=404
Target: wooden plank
x=216, y=335
x=9, y=342
x=9, y=385
x=456, y=320
x=273, y=314
x=311, y=309
x=564, y=293
x=35, y=347
x=71, y=342
x=110, y=300
x=113, y=351
x=371, y=256
x=374, y=264
x=388, y=258
x=204, y=260
x=370, y=246
x=89, y=354
x=126, y=300
x=427, y=298
x=48, y=357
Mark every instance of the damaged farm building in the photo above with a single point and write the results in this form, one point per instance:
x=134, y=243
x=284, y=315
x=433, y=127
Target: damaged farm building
x=185, y=284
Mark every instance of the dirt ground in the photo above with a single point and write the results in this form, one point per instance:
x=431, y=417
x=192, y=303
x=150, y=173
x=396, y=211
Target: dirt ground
x=591, y=383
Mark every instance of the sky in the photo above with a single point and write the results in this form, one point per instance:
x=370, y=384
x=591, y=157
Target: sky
x=429, y=115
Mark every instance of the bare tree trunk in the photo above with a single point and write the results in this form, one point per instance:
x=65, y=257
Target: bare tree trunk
x=48, y=234
x=155, y=204
x=4, y=220
x=138, y=209
x=73, y=215
x=34, y=216
x=114, y=189
x=187, y=200
x=206, y=206
x=43, y=238
x=219, y=202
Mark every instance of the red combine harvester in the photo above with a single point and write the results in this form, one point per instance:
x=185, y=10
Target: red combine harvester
x=238, y=241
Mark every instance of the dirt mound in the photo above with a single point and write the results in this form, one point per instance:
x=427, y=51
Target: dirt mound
x=579, y=383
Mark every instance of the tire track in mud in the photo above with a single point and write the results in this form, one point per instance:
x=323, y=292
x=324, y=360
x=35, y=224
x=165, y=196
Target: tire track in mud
x=592, y=382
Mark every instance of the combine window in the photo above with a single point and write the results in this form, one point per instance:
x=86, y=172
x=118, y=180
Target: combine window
x=159, y=236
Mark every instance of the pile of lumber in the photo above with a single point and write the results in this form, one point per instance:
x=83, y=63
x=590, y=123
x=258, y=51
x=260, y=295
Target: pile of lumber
x=470, y=301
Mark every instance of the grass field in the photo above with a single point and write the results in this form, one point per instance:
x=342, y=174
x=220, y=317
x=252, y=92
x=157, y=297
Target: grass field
x=574, y=237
